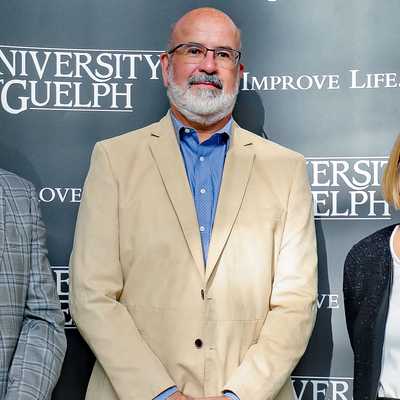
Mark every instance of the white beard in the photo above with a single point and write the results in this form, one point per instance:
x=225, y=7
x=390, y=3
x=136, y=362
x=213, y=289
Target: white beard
x=204, y=106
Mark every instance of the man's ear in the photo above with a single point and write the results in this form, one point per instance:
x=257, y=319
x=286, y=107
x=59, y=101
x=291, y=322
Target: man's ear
x=241, y=70
x=165, y=65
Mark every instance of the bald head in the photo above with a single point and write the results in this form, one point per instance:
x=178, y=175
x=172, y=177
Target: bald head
x=202, y=20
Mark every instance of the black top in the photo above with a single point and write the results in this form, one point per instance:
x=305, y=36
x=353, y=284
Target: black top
x=366, y=287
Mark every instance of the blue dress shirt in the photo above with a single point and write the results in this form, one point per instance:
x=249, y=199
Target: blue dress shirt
x=204, y=163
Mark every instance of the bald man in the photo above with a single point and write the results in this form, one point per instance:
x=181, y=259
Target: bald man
x=194, y=257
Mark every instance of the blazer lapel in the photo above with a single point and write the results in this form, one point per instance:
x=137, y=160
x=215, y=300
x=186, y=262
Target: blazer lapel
x=237, y=170
x=166, y=153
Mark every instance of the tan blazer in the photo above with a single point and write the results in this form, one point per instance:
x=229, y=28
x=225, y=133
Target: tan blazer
x=153, y=314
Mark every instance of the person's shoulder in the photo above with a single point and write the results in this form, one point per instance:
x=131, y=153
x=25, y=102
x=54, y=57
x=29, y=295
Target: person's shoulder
x=131, y=139
x=370, y=245
x=271, y=149
x=12, y=183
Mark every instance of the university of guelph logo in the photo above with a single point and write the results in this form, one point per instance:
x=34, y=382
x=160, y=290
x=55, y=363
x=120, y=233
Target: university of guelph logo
x=49, y=79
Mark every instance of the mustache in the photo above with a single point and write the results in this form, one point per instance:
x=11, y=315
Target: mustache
x=204, y=78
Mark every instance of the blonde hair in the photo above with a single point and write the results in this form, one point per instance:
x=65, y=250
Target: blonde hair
x=391, y=176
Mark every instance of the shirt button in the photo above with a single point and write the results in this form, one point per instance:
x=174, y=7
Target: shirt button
x=202, y=293
x=198, y=343
x=202, y=229
x=201, y=158
x=202, y=190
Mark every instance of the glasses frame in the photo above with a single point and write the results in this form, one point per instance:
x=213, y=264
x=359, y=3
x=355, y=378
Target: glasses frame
x=237, y=58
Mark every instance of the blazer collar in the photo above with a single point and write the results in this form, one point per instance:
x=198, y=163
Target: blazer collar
x=166, y=153
x=237, y=171
x=238, y=165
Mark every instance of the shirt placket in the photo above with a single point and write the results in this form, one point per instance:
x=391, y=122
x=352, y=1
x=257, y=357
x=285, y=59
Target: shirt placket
x=203, y=197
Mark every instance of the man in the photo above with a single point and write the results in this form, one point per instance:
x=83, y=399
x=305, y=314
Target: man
x=180, y=298
x=32, y=339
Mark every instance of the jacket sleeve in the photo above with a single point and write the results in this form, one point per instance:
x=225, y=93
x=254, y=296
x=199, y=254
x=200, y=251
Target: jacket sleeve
x=38, y=358
x=96, y=284
x=268, y=364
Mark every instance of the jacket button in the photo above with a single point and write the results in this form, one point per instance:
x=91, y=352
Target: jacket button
x=198, y=343
x=202, y=293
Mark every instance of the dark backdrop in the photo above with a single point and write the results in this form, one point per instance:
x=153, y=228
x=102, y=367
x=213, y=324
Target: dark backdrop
x=321, y=78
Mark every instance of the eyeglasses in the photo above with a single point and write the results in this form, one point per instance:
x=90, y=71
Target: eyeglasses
x=194, y=53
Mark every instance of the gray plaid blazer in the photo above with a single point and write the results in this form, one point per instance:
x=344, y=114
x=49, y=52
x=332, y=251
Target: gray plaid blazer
x=32, y=339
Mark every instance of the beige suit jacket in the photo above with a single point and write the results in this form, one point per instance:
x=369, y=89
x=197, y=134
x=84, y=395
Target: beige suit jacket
x=138, y=277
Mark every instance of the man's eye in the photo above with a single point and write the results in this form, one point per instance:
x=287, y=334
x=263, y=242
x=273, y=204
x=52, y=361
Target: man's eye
x=193, y=51
x=223, y=54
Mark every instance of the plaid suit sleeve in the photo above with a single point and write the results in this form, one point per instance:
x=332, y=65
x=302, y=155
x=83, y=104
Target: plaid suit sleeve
x=41, y=346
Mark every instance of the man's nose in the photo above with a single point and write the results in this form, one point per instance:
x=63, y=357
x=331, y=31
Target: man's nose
x=208, y=64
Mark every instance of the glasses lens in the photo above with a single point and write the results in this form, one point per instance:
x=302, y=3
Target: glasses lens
x=225, y=57
x=193, y=51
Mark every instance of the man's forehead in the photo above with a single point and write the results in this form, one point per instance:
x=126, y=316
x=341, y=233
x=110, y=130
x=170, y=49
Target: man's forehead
x=213, y=30
x=214, y=38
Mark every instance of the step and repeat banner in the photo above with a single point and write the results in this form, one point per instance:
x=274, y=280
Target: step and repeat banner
x=321, y=77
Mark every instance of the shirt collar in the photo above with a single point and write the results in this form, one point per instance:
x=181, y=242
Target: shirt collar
x=178, y=126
